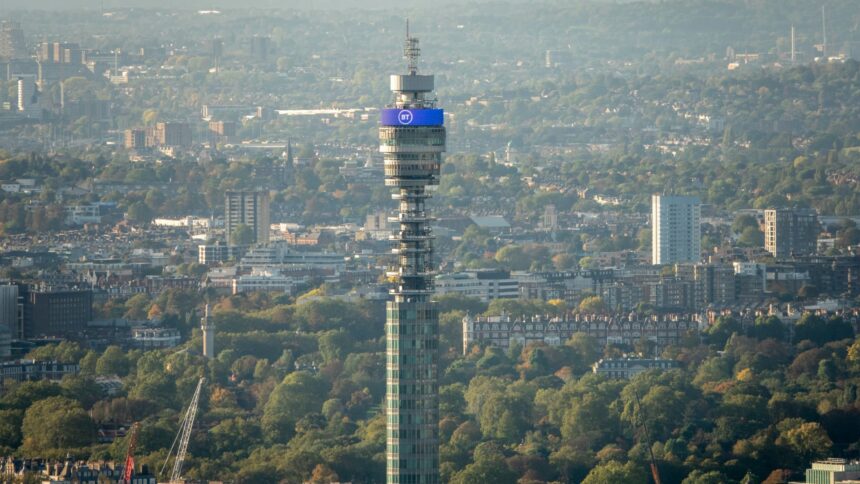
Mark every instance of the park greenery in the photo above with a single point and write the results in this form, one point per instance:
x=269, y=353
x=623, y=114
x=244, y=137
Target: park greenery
x=295, y=394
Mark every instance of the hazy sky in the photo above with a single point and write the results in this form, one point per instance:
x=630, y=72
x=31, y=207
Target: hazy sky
x=213, y=4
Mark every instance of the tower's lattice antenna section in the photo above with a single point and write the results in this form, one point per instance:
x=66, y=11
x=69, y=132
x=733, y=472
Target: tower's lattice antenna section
x=411, y=51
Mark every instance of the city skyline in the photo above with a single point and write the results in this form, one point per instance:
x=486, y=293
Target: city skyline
x=231, y=252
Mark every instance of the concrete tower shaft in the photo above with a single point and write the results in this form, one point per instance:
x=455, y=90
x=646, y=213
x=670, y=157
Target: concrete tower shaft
x=412, y=140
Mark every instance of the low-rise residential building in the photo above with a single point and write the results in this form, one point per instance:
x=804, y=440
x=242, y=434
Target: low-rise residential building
x=833, y=471
x=263, y=281
x=691, y=287
x=148, y=338
x=87, y=214
x=214, y=254
x=280, y=256
x=629, y=367
x=157, y=284
x=31, y=370
x=190, y=222
x=485, y=285
x=70, y=472
x=503, y=331
x=221, y=277
x=565, y=285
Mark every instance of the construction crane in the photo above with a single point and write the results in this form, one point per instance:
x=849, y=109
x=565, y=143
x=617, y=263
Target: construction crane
x=128, y=470
x=655, y=472
x=183, y=436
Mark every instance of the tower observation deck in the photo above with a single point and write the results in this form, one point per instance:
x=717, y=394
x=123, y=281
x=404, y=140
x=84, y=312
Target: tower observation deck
x=412, y=140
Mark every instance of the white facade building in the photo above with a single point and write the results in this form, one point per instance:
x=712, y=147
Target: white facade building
x=483, y=285
x=630, y=367
x=264, y=281
x=85, y=214
x=833, y=471
x=676, y=233
x=752, y=269
x=190, y=222
x=147, y=338
x=281, y=256
x=27, y=96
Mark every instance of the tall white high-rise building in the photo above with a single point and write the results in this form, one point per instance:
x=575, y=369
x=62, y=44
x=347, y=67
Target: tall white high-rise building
x=676, y=232
x=27, y=95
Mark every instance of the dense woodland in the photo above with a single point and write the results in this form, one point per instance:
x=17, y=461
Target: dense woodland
x=749, y=403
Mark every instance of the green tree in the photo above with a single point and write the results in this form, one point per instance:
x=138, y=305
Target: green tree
x=520, y=307
x=10, y=428
x=743, y=222
x=643, y=237
x=564, y=262
x=23, y=395
x=64, y=352
x=585, y=351
x=592, y=305
x=488, y=466
x=505, y=417
x=722, y=329
x=588, y=262
x=242, y=235
x=137, y=306
x=751, y=237
x=513, y=257
x=56, y=423
x=458, y=302
x=820, y=330
x=334, y=345
x=807, y=440
x=88, y=363
x=704, y=477
x=81, y=388
x=299, y=394
x=139, y=212
x=235, y=435
x=113, y=362
x=768, y=327
x=614, y=471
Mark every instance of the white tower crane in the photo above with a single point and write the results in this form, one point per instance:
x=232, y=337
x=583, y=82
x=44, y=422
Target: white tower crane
x=183, y=436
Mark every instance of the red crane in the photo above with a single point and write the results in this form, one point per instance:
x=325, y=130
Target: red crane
x=128, y=470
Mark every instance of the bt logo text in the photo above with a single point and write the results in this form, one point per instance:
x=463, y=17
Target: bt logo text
x=405, y=117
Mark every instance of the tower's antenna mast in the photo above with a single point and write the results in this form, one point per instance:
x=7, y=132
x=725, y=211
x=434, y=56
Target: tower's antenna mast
x=793, y=50
x=411, y=51
x=823, y=34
